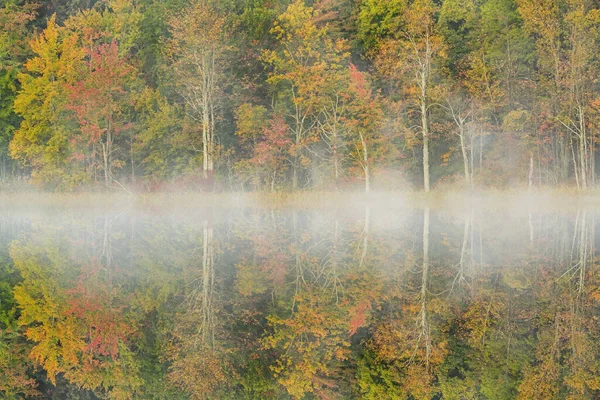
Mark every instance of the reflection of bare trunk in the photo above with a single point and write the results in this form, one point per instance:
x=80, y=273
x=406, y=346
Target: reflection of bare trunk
x=583, y=252
x=297, y=260
x=530, y=221
x=334, y=261
x=424, y=323
x=365, y=246
x=106, y=257
x=207, y=327
x=463, y=251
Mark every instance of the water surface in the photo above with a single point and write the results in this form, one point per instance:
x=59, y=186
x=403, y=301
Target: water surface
x=252, y=302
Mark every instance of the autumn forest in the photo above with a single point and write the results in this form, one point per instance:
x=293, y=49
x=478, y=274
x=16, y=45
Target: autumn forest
x=271, y=95
x=299, y=199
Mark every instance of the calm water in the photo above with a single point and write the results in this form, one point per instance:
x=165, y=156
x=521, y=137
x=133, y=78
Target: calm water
x=325, y=304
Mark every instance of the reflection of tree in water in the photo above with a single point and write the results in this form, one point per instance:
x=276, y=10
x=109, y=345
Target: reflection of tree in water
x=297, y=304
x=199, y=360
x=73, y=312
x=567, y=363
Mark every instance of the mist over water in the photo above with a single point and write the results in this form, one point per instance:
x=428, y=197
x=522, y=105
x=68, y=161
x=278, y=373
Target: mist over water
x=246, y=302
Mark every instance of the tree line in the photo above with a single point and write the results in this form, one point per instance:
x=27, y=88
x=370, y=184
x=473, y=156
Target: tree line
x=279, y=94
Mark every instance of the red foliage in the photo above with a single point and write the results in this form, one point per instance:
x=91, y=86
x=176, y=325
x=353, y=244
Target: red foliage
x=94, y=302
x=359, y=316
x=359, y=82
x=270, y=151
x=98, y=98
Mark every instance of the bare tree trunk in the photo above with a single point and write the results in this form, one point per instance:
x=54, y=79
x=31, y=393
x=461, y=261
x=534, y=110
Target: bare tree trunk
x=423, y=85
x=295, y=174
x=593, y=158
x=465, y=155
x=575, y=167
x=530, y=170
x=132, y=163
x=582, y=149
x=366, y=164
x=105, y=162
x=336, y=161
x=205, y=137
x=425, y=129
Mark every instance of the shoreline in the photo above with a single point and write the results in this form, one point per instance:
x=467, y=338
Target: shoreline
x=536, y=200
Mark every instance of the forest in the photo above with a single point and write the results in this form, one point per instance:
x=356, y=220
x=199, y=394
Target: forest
x=273, y=95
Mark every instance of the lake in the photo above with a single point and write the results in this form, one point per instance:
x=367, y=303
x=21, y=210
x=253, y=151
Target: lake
x=363, y=300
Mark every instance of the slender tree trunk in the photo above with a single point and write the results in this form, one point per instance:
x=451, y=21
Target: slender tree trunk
x=593, y=158
x=480, y=154
x=464, y=155
x=575, y=167
x=295, y=174
x=105, y=161
x=132, y=163
x=211, y=107
x=366, y=164
x=336, y=161
x=109, y=141
x=425, y=129
x=530, y=170
x=205, y=137
x=582, y=149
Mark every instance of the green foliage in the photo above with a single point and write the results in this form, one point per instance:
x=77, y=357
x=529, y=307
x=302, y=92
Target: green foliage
x=41, y=141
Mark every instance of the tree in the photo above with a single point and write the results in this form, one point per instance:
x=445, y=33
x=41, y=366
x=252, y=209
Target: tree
x=198, y=52
x=364, y=116
x=566, y=33
x=15, y=380
x=461, y=112
x=161, y=146
x=271, y=150
x=409, y=51
x=15, y=21
x=99, y=100
x=42, y=140
x=303, y=64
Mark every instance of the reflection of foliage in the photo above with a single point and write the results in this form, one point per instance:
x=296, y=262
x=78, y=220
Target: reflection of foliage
x=15, y=368
x=77, y=329
x=289, y=307
x=313, y=344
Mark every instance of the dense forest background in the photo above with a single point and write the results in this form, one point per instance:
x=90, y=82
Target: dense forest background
x=276, y=94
